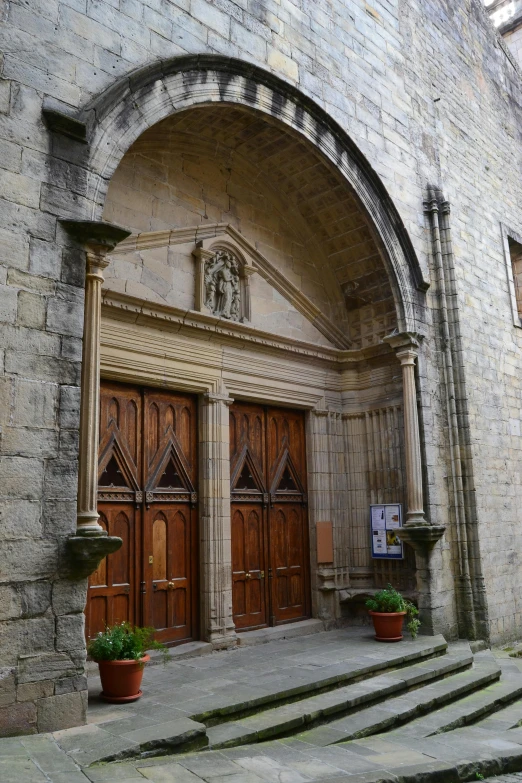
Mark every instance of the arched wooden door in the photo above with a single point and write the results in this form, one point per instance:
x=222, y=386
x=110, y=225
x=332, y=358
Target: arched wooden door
x=270, y=550
x=146, y=495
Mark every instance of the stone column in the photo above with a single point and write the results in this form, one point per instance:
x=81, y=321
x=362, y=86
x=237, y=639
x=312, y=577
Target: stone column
x=217, y=624
x=412, y=449
x=91, y=542
x=417, y=531
x=87, y=516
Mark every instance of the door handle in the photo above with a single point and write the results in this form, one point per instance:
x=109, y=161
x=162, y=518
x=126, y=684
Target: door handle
x=171, y=586
x=248, y=576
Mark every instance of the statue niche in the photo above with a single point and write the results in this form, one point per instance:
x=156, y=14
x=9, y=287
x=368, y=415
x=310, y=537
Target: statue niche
x=222, y=285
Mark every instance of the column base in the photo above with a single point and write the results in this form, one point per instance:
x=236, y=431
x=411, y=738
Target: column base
x=223, y=641
x=87, y=550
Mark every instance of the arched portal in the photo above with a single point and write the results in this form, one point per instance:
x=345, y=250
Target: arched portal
x=266, y=264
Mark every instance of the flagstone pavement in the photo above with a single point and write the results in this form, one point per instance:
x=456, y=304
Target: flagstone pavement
x=469, y=753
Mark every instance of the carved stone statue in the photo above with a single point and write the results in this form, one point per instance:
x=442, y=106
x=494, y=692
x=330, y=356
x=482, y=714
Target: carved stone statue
x=222, y=288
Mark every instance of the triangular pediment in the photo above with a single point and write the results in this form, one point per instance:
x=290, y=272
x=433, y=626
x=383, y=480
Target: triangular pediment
x=246, y=475
x=115, y=464
x=281, y=306
x=286, y=478
x=169, y=472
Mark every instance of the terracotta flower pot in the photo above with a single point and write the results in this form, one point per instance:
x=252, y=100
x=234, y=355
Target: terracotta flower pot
x=388, y=625
x=121, y=680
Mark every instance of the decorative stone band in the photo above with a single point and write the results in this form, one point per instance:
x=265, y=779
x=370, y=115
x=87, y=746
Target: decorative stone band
x=91, y=543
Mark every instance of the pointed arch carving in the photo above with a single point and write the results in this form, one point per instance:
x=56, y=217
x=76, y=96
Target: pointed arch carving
x=286, y=484
x=253, y=487
x=169, y=475
x=116, y=460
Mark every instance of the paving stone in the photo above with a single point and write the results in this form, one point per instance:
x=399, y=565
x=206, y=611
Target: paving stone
x=210, y=765
x=170, y=773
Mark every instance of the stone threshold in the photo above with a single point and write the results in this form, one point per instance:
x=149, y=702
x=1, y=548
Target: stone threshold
x=278, y=632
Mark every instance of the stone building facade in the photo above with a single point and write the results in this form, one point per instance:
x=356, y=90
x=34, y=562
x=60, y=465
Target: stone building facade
x=288, y=237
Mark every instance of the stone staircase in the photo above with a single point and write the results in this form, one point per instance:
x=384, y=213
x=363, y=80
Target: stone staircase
x=410, y=691
x=449, y=691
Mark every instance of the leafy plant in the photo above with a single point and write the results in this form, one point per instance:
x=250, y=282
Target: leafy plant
x=390, y=600
x=124, y=642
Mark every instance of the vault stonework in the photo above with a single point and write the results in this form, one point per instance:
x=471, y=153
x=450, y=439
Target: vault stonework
x=312, y=206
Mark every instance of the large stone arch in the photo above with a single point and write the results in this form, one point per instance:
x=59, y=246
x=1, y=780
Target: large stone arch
x=118, y=117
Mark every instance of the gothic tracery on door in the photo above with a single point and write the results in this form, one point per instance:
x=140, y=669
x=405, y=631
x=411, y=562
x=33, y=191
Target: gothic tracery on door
x=270, y=552
x=147, y=483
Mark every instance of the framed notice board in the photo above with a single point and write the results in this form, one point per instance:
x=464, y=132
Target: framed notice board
x=385, y=524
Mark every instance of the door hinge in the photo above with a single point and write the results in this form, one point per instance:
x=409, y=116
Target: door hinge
x=151, y=559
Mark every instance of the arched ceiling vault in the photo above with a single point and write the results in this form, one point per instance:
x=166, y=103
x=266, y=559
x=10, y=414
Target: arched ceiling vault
x=277, y=189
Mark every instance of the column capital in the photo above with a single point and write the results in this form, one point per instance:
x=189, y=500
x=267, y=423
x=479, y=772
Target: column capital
x=401, y=341
x=407, y=355
x=97, y=236
x=215, y=398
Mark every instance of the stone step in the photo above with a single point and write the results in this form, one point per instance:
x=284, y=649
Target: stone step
x=289, y=631
x=401, y=709
x=285, y=719
x=309, y=682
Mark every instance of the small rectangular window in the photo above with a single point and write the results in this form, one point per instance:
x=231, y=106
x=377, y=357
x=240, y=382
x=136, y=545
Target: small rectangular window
x=513, y=259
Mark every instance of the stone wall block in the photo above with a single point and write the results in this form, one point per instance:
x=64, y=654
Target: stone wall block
x=29, y=559
x=59, y=517
x=69, y=407
x=21, y=477
x=62, y=712
x=18, y=719
x=35, y=598
x=42, y=368
x=69, y=597
x=18, y=636
x=35, y=404
x=10, y=603
x=7, y=686
x=8, y=304
x=14, y=249
x=65, y=316
x=70, y=632
x=31, y=691
x=31, y=310
x=70, y=684
x=45, y=259
x=61, y=477
x=45, y=666
x=20, y=519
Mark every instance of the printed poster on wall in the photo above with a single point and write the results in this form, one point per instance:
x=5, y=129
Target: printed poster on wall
x=385, y=523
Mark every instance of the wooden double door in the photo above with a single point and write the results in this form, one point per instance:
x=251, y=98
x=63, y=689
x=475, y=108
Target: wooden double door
x=147, y=483
x=270, y=549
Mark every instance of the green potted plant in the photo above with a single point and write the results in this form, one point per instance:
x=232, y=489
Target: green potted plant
x=388, y=608
x=121, y=654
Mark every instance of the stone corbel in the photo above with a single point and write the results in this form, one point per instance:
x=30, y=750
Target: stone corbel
x=91, y=543
x=417, y=531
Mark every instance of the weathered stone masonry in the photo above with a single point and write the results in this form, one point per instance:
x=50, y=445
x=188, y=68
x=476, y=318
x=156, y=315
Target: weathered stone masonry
x=427, y=95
